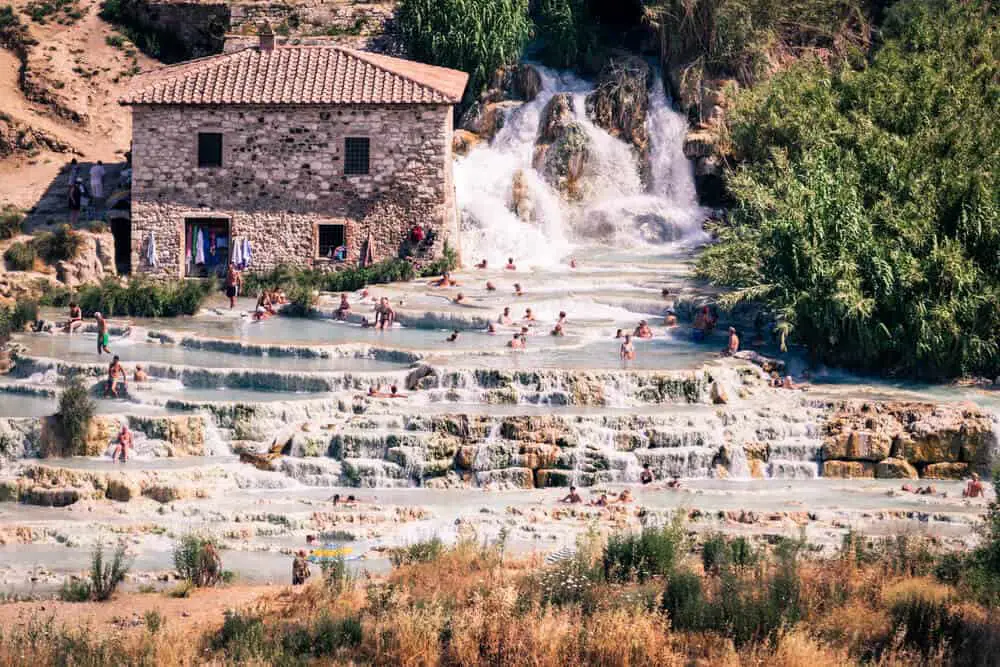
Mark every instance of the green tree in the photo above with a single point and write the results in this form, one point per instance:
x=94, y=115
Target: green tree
x=475, y=36
x=867, y=208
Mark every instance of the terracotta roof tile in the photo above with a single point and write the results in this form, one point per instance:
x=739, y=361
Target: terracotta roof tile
x=298, y=75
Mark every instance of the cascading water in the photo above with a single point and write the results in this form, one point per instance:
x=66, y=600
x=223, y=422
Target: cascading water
x=615, y=208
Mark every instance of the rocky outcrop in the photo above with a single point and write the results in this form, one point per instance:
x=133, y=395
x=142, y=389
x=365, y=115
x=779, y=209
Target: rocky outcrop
x=463, y=141
x=848, y=469
x=95, y=260
x=562, y=162
x=909, y=438
x=620, y=104
x=519, y=82
x=556, y=117
x=485, y=119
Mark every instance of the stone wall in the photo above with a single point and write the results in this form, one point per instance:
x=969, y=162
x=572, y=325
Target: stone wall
x=282, y=175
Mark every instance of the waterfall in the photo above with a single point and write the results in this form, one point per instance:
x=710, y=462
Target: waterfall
x=216, y=444
x=739, y=468
x=614, y=209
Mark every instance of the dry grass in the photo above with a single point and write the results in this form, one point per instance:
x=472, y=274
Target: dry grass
x=473, y=607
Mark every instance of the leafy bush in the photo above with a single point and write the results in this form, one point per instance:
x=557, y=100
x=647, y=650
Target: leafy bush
x=196, y=559
x=326, y=636
x=105, y=576
x=684, y=601
x=241, y=637
x=140, y=297
x=735, y=38
x=425, y=551
x=653, y=552
x=61, y=245
x=865, y=219
x=20, y=256
x=475, y=36
x=53, y=294
x=11, y=219
x=983, y=575
x=567, y=33
x=336, y=575
x=76, y=410
x=75, y=590
x=154, y=621
x=447, y=262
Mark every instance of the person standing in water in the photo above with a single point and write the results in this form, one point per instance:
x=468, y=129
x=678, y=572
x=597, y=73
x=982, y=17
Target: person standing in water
x=75, y=317
x=300, y=569
x=734, y=343
x=102, y=334
x=627, y=349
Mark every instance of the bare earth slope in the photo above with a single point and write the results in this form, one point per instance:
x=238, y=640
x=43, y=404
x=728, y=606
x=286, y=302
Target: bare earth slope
x=73, y=77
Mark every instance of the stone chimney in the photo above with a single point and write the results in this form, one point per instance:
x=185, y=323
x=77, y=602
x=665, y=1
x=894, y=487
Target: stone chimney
x=266, y=36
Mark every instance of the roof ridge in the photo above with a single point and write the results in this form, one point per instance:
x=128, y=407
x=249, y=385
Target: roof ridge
x=361, y=55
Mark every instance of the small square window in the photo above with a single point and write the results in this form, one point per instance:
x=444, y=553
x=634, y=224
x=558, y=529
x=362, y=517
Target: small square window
x=331, y=242
x=209, y=149
x=356, y=155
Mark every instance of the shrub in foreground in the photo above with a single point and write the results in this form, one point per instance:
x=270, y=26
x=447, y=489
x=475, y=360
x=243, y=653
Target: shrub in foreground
x=196, y=559
x=653, y=552
x=104, y=577
x=61, y=245
x=11, y=219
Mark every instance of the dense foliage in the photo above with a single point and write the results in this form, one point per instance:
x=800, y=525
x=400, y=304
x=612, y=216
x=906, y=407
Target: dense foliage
x=475, y=36
x=76, y=410
x=59, y=246
x=567, y=33
x=867, y=206
x=20, y=256
x=144, y=298
x=740, y=38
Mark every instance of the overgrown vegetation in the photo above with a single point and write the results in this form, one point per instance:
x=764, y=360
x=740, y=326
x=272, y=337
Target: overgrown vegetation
x=11, y=217
x=568, y=36
x=301, y=285
x=196, y=558
x=475, y=36
x=873, y=602
x=76, y=410
x=15, y=318
x=145, y=298
x=104, y=578
x=866, y=217
x=20, y=256
x=61, y=245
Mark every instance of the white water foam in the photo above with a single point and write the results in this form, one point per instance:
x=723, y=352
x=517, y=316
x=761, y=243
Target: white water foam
x=615, y=208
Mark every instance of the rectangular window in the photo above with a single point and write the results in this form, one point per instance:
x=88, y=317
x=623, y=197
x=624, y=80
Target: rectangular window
x=356, y=155
x=209, y=149
x=331, y=237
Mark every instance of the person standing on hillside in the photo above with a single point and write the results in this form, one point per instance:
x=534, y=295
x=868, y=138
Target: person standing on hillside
x=97, y=180
x=74, y=200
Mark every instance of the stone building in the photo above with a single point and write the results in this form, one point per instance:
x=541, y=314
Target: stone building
x=311, y=155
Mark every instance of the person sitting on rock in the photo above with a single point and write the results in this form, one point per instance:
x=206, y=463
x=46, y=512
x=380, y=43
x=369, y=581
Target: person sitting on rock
x=300, y=569
x=123, y=443
x=974, y=489
x=75, y=318
x=490, y=287
x=491, y=328
x=394, y=392
x=344, y=309
x=572, y=496
x=646, y=476
x=625, y=496
x=140, y=374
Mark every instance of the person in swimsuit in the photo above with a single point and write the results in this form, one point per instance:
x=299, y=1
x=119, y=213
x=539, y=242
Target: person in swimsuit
x=233, y=282
x=506, y=319
x=344, y=309
x=115, y=373
x=517, y=290
x=102, y=334
x=122, y=445
x=643, y=330
x=141, y=375
x=572, y=497
x=482, y=264
x=75, y=317
x=453, y=337
x=510, y=265
x=490, y=287
x=627, y=349
x=734, y=343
